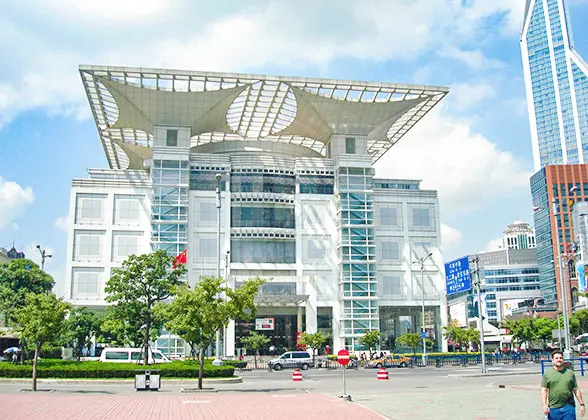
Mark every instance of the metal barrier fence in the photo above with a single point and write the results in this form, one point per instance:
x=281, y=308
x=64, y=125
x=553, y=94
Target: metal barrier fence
x=575, y=365
x=432, y=361
x=476, y=359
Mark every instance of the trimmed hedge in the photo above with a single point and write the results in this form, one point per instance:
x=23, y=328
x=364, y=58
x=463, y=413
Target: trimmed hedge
x=335, y=357
x=239, y=364
x=98, y=370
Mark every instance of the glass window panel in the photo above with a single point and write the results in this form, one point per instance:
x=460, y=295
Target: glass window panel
x=171, y=138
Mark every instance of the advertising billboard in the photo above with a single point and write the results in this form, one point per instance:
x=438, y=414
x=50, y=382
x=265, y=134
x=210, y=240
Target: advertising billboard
x=264, y=324
x=458, y=313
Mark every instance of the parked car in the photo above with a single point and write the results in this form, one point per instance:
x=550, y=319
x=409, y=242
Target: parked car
x=292, y=359
x=391, y=360
x=130, y=355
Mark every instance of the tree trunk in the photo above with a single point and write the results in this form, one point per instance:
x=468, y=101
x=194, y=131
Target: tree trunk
x=35, y=361
x=255, y=358
x=146, y=341
x=201, y=368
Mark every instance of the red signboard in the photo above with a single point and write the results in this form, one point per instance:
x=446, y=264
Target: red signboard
x=343, y=357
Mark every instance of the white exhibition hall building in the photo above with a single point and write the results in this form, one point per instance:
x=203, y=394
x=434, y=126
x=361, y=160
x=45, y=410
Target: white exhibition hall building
x=290, y=162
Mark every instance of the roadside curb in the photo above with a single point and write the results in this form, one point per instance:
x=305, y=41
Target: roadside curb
x=474, y=375
x=210, y=381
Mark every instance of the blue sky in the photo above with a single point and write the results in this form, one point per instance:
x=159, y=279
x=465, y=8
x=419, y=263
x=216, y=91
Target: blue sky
x=474, y=148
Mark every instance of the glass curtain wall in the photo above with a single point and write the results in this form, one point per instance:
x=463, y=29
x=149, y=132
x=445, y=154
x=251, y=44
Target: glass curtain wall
x=358, y=282
x=395, y=321
x=170, y=205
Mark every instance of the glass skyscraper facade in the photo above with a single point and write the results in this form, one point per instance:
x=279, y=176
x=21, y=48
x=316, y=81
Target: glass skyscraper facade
x=556, y=80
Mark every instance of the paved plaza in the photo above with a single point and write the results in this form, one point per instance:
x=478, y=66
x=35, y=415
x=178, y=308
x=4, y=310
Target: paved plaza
x=425, y=393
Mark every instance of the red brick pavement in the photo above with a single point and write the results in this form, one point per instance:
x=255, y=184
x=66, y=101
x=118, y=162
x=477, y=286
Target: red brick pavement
x=143, y=406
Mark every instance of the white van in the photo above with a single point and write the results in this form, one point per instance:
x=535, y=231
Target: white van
x=292, y=359
x=130, y=355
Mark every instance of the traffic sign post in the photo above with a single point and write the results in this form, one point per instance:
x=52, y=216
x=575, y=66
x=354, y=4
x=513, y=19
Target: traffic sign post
x=343, y=359
x=457, y=276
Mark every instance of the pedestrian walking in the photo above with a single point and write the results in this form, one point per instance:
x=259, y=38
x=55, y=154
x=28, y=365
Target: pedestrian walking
x=558, y=388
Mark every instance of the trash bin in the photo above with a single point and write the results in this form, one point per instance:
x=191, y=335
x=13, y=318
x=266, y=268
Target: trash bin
x=147, y=380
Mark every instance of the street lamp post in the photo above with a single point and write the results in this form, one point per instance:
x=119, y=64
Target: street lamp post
x=478, y=285
x=44, y=256
x=562, y=285
x=217, y=360
x=225, y=346
x=421, y=262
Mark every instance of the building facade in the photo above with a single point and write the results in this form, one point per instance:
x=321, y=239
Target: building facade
x=519, y=235
x=556, y=80
x=555, y=189
x=262, y=176
x=11, y=254
x=509, y=278
x=580, y=224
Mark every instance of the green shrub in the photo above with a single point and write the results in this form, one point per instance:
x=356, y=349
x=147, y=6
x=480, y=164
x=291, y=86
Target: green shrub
x=238, y=364
x=335, y=357
x=52, y=368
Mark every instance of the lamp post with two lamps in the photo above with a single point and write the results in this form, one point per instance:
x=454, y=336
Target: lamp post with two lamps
x=421, y=262
x=217, y=361
x=44, y=256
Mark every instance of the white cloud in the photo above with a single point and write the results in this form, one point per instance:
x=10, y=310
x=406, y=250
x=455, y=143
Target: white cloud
x=494, y=245
x=61, y=223
x=14, y=199
x=464, y=95
x=467, y=169
x=106, y=11
x=474, y=59
x=47, y=40
x=450, y=237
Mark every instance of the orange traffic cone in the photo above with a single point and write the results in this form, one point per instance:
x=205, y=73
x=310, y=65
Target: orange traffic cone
x=297, y=375
x=382, y=374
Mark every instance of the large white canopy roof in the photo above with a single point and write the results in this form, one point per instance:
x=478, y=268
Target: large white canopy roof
x=128, y=102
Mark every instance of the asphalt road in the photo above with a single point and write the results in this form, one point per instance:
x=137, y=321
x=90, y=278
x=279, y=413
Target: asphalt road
x=508, y=392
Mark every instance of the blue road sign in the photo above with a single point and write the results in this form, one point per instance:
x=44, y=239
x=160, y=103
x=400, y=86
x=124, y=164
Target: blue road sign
x=457, y=276
x=423, y=334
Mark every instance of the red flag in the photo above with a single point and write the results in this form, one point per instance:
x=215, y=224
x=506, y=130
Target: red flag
x=181, y=259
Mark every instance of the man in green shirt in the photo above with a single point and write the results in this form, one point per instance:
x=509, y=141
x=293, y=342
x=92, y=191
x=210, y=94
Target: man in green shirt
x=558, y=387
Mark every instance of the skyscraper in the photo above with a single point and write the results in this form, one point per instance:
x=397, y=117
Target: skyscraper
x=556, y=80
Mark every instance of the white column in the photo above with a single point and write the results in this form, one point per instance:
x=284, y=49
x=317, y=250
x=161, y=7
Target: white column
x=311, y=311
x=338, y=341
x=230, y=339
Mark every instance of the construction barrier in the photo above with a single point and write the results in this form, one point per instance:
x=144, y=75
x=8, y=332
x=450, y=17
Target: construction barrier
x=297, y=375
x=382, y=374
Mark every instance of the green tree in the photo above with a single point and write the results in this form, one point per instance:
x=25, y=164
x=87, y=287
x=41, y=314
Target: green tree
x=17, y=278
x=41, y=320
x=136, y=288
x=456, y=334
x=196, y=314
x=544, y=328
x=255, y=342
x=472, y=335
x=581, y=317
x=371, y=340
x=81, y=326
x=123, y=326
x=411, y=340
x=315, y=341
x=522, y=330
